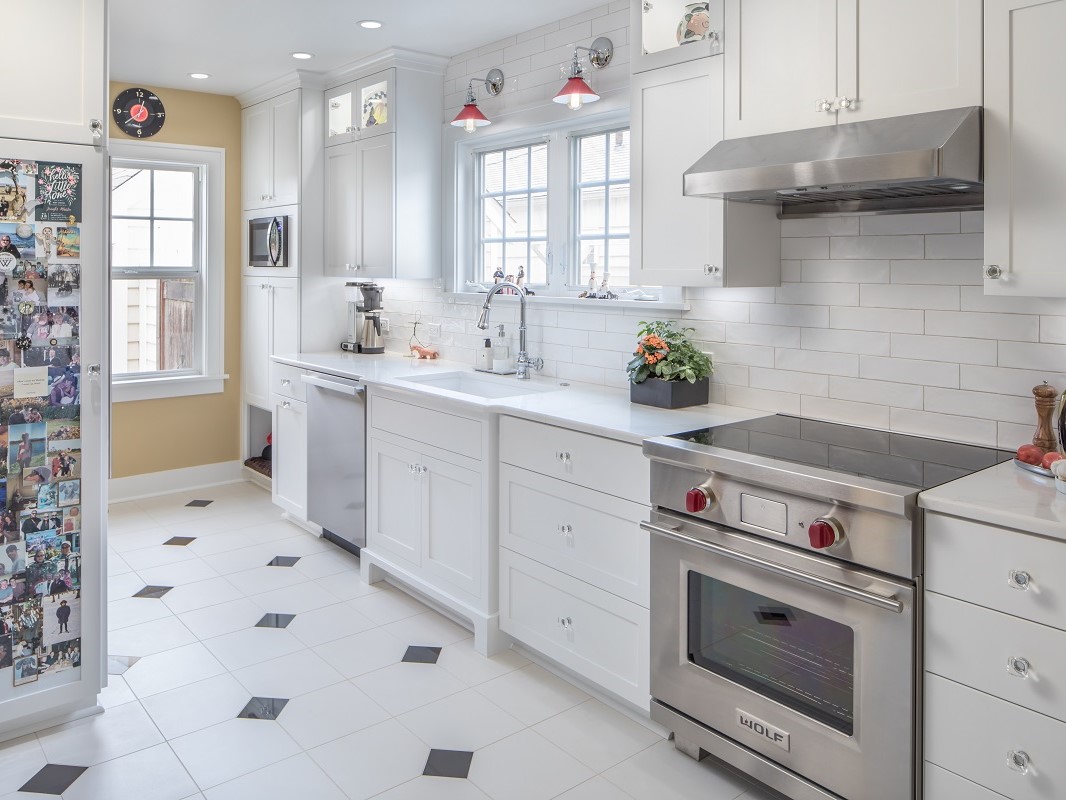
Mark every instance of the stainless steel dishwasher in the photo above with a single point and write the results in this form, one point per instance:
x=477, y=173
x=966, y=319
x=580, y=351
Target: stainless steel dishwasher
x=336, y=458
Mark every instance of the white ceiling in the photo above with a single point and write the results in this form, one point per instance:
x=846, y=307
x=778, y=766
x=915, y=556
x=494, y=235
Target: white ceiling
x=245, y=44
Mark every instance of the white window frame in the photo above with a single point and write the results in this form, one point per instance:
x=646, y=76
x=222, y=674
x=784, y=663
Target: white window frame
x=210, y=164
x=575, y=203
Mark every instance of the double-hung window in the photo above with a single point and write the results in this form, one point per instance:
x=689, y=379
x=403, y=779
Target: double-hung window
x=167, y=269
x=554, y=210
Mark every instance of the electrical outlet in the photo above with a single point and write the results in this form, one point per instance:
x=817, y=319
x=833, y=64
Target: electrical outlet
x=385, y=325
x=432, y=328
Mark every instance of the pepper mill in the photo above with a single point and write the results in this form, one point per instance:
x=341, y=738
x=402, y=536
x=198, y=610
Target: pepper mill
x=1045, y=407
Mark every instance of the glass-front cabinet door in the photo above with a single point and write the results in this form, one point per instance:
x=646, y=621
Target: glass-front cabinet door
x=672, y=31
x=360, y=109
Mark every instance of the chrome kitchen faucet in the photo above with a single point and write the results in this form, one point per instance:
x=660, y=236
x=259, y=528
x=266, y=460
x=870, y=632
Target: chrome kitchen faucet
x=524, y=360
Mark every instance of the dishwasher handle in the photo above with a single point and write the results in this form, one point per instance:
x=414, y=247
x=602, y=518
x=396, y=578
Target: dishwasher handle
x=333, y=386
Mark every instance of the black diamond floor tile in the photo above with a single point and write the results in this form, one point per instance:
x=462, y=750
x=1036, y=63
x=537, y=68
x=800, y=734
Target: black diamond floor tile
x=116, y=665
x=154, y=592
x=199, y=503
x=52, y=779
x=263, y=708
x=283, y=561
x=448, y=763
x=180, y=541
x=275, y=620
x=417, y=654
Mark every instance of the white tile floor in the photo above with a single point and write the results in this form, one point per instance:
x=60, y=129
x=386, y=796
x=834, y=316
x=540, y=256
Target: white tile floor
x=359, y=723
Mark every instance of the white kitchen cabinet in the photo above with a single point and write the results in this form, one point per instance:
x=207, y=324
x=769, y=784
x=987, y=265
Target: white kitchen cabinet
x=654, y=29
x=793, y=64
x=360, y=209
x=271, y=152
x=289, y=455
x=690, y=241
x=269, y=325
x=1025, y=153
x=64, y=86
x=361, y=108
x=394, y=518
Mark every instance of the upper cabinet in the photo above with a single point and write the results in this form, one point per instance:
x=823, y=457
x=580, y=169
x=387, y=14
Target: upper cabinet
x=360, y=240
x=271, y=152
x=671, y=31
x=793, y=64
x=64, y=88
x=361, y=108
x=690, y=241
x=1025, y=152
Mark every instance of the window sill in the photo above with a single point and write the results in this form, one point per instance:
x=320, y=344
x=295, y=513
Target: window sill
x=567, y=302
x=127, y=391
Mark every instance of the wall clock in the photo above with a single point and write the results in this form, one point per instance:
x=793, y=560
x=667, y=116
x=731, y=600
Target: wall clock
x=138, y=113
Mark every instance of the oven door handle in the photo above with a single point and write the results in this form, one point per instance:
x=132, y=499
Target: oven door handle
x=887, y=603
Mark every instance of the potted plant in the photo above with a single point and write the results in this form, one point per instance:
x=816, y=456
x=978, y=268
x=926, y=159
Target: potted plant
x=668, y=370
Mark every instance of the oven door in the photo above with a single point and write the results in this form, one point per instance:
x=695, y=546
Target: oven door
x=802, y=659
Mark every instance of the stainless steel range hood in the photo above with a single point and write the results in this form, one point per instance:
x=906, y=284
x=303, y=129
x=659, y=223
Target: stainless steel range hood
x=912, y=163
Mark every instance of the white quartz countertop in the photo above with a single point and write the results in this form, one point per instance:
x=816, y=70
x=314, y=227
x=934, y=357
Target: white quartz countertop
x=600, y=410
x=1003, y=495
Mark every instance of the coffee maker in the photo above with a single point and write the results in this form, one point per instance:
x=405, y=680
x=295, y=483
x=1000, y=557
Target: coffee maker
x=364, y=318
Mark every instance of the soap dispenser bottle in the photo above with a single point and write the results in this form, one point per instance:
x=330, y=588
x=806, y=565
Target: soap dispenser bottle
x=483, y=357
x=501, y=353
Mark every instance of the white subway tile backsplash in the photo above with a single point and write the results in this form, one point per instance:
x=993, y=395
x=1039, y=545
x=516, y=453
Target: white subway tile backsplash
x=868, y=415
x=749, y=355
x=904, y=296
x=946, y=272
x=944, y=348
x=780, y=380
x=722, y=311
x=945, y=426
x=974, y=299
x=876, y=247
x=817, y=294
x=801, y=316
x=791, y=271
x=816, y=247
x=811, y=361
x=1053, y=330
x=896, y=224
x=582, y=321
x=959, y=245
x=903, y=370
x=1005, y=380
x=1016, y=327
x=844, y=271
x=1021, y=355
x=889, y=320
x=732, y=374
x=820, y=226
x=886, y=393
x=772, y=335
x=1011, y=436
x=973, y=221
x=835, y=341
x=763, y=400
x=980, y=404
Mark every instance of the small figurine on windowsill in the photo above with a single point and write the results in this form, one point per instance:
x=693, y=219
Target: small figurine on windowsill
x=497, y=276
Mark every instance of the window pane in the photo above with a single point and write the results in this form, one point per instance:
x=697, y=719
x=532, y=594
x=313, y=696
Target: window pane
x=593, y=254
x=539, y=223
x=618, y=197
x=539, y=167
x=517, y=170
x=174, y=193
x=492, y=218
x=592, y=212
x=491, y=259
x=517, y=256
x=173, y=246
x=618, y=261
x=131, y=192
x=593, y=155
x=153, y=325
x=517, y=216
x=537, y=272
x=619, y=142
x=492, y=172
x=130, y=243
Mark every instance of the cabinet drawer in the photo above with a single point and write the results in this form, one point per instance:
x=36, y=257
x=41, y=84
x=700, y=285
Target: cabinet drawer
x=601, y=637
x=426, y=425
x=943, y=785
x=285, y=380
x=605, y=465
x=586, y=534
x=955, y=650
x=975, y=562
x=972, y=734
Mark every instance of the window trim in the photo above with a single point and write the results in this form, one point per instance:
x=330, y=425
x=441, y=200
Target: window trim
x=211, y=377
x=574, y=236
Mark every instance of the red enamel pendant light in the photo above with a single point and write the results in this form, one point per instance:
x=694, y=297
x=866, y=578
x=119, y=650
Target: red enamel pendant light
x=576, y=91
x=470, y=118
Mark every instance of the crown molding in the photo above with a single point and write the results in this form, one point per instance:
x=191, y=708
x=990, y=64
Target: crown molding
x=297, y=79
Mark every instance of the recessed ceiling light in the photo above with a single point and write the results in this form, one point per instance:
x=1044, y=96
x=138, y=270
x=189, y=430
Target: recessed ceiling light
x=200, y=76
x=369, y=23
x=303, y=55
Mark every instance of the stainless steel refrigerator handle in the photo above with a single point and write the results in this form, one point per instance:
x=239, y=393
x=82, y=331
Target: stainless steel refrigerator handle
x=333, y=386
x=887, y=603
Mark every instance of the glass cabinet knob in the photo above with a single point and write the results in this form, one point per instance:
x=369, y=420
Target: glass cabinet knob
x=1018, y=666
x=1019, y=761
x=1019, y=579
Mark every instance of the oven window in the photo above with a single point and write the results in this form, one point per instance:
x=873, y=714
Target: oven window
x=784, y=653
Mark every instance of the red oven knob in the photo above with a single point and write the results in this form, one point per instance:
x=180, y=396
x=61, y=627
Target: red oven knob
x=825, y=532
x=697, y=500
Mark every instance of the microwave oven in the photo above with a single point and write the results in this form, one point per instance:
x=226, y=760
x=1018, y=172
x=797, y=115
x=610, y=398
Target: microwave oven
x=266, y=241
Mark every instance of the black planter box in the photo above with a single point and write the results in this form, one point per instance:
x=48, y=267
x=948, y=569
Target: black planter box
x=670, y=394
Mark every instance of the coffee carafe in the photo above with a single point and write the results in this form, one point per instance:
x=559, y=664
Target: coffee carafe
x=372, y=341
x=364, y=318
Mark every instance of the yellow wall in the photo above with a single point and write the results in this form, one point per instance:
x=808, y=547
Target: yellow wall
x=155, y=435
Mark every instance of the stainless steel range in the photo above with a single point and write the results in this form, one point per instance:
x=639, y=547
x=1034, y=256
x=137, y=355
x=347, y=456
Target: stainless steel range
x=786, y=563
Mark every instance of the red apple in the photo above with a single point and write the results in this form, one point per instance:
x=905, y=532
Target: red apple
x=1049, y=459
x=1030, y=454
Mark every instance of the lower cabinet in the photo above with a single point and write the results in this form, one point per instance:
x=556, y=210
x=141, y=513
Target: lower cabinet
x=289, y=437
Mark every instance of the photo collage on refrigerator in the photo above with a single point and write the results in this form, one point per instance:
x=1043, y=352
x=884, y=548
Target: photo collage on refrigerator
x=40, y=419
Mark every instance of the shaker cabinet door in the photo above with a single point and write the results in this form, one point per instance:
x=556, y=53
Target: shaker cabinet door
x=394, y=512
x=255, y=341
x=452, y=543
x=375, y=208
x=342, y=175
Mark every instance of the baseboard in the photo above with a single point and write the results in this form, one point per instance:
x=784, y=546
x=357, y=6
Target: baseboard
x=150, y=484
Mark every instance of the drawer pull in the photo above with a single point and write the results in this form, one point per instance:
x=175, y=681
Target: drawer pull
x=1018, y=667
x=286, y=404
x=286, y=382
x=1018, y=760
x=566, y=530
x=1019, y=579
x=566, y=623
x=563, y=457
